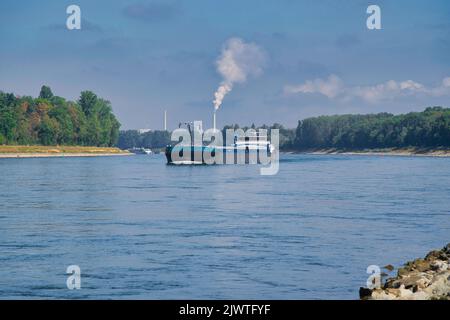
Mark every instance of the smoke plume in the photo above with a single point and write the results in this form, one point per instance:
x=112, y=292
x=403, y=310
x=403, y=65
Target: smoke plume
x=237, y=61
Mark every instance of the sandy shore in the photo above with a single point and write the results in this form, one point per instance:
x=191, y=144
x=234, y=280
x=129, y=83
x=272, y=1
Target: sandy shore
x=37, y=151
x=53, y=155
x=384, y=152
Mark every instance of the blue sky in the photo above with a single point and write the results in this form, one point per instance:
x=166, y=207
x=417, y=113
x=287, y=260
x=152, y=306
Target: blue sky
x=147, y=56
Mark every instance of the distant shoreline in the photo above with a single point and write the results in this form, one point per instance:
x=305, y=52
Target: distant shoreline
x=416, y=152
x=7, y=151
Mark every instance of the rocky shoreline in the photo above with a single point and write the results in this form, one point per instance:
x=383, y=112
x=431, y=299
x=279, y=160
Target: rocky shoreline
x=420, y=279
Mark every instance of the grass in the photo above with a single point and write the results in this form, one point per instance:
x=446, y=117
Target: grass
x=59, y=149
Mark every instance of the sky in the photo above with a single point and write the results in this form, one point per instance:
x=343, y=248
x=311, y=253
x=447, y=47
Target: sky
x=316, y=57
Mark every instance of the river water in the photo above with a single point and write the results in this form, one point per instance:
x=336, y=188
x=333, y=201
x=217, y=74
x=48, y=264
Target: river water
x=138, y=228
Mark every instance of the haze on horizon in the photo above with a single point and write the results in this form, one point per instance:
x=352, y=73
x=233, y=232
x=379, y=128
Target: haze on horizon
x=150, y=56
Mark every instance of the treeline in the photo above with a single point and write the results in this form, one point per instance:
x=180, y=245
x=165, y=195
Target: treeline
x=159, y=139
x=52, y=120
x=427, y=129
x=152, y=139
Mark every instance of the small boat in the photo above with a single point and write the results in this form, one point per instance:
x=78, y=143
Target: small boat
x=141, y=151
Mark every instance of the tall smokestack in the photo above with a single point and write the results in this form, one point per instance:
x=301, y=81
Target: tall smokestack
x=214, y=120
x=165, y=120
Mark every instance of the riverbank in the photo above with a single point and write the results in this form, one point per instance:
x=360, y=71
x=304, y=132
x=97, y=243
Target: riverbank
x=7, y=151
x=424, y=152
x=420, y=279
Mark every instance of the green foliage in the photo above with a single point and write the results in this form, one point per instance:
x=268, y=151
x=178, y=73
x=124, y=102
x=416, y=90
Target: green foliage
x=46, y=93
x=87, y=102
x=51, y=120
x=430, y=128
x=427, y=129
x=153, y=139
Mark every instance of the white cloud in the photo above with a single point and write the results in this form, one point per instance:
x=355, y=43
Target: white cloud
x=333, y=87
x=330, y=87
x=443, y=89
x=388, y=90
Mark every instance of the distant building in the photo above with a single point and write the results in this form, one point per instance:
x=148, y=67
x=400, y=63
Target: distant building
x=141, y=131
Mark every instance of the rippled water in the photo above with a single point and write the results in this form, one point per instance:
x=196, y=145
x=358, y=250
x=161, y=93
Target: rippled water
x=140, y=229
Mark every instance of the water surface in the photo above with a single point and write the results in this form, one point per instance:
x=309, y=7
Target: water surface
x=141, y=229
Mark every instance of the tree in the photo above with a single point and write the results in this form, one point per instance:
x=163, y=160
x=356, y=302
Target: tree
x=430, y=128
x=46, y=93
x=51, y=119
x=48, y=131
x=87, y=101
x=153, y=139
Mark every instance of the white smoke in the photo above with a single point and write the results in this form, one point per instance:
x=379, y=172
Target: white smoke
x=237, y=61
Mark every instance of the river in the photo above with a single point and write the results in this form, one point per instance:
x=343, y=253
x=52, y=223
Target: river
x=139, y=229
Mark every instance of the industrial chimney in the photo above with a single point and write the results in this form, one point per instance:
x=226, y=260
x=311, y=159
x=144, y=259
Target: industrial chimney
x=165, y=120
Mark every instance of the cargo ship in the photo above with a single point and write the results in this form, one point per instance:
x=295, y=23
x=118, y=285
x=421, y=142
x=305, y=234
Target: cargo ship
x=254, y=147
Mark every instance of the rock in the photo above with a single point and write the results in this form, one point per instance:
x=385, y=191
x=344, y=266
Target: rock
x=379, y=294
x=395, y=292
x=439, y=265
x=389, y=267
x=443, y=254
x=421, y=265
x=446, y=249
x=364, y=293
x=424, y=281
x=414, y=282
x=440, y=287
x=420, y=279
x=392, y=283
x=402, y=271
x=433, y=255
x=405, y=294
